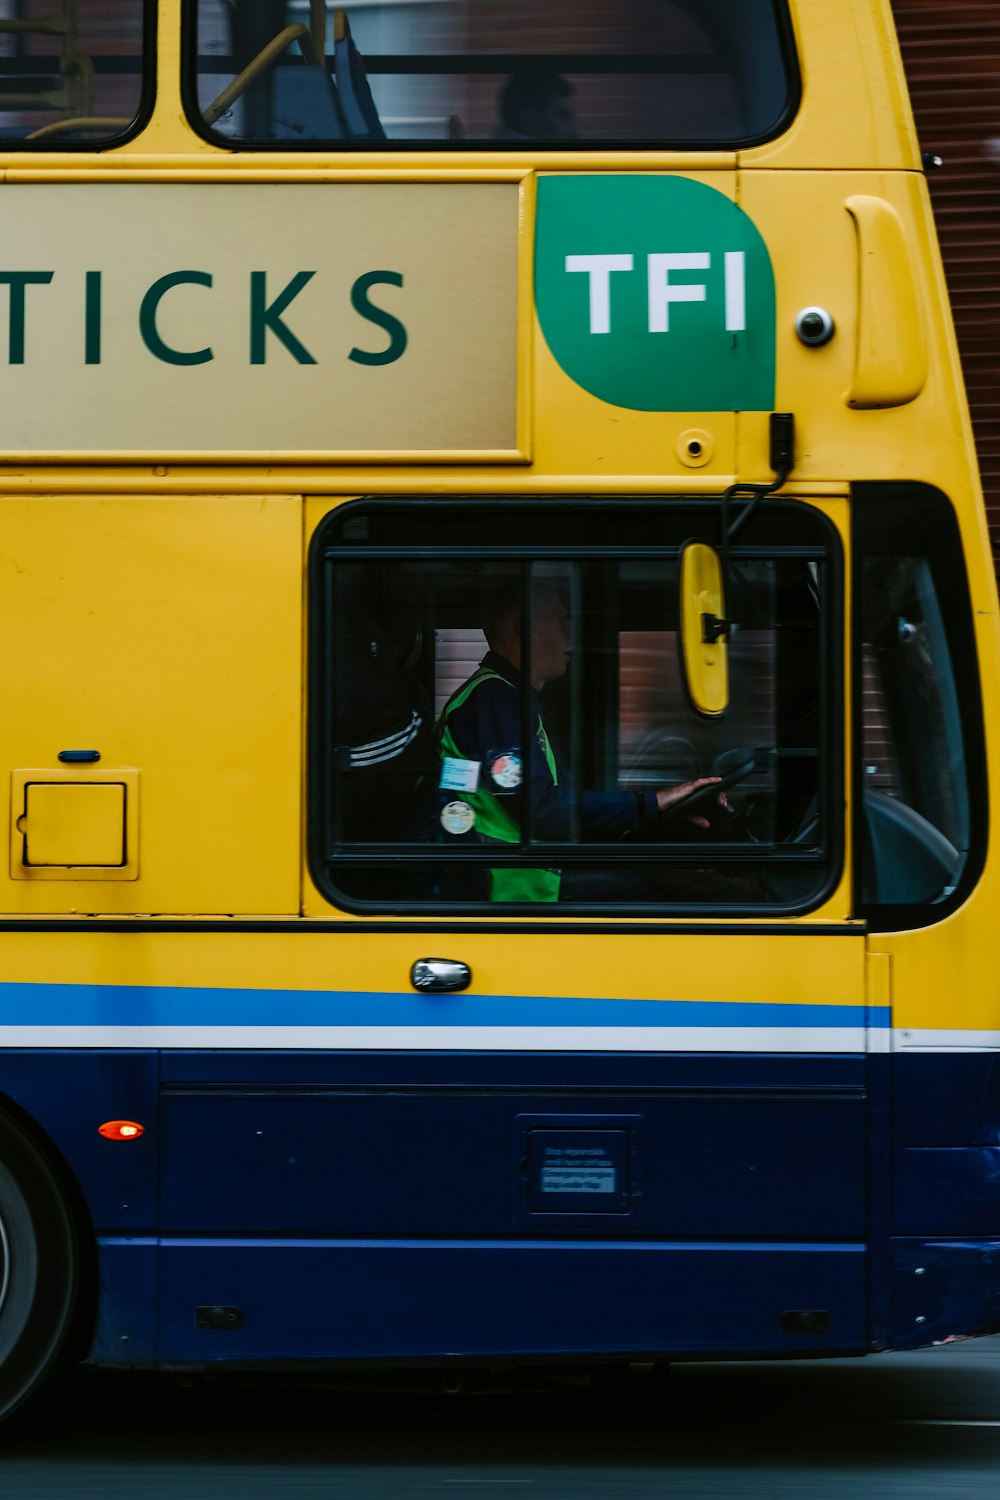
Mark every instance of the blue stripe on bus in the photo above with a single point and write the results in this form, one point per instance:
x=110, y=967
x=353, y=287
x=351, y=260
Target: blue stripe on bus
x=133, y=1005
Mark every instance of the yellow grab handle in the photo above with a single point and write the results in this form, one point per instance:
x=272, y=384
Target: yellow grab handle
x=890, y=367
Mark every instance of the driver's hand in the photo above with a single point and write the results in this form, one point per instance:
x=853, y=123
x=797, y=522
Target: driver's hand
x=669, y=796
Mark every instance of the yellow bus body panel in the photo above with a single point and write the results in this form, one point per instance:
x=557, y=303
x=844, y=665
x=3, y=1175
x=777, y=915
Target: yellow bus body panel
x=200, y=688
x=750, y=970
x=165, y=635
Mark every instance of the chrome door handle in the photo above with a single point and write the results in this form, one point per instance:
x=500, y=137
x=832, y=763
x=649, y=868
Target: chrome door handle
x=440, y=974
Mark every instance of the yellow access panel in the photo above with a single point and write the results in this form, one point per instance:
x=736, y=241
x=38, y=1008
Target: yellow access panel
x=155, y=645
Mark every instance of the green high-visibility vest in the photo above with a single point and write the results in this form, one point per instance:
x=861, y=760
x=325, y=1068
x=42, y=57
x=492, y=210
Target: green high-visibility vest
x=493, y=820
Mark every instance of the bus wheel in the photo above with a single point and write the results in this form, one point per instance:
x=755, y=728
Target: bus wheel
x=39, y=1266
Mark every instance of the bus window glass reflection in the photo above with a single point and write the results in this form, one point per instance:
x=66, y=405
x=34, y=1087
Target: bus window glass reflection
x=461, y=72
x=71, y=71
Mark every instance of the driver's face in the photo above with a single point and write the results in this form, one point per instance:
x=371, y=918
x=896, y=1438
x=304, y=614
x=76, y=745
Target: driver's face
x=550, y=638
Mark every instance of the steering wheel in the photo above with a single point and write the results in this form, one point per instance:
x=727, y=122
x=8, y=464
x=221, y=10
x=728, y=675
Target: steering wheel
x=733, y=766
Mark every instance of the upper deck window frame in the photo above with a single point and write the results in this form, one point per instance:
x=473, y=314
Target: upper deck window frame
x=784, y=35
x=147, y=98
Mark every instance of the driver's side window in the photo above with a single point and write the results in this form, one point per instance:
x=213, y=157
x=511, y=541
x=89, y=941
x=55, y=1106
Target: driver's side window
x=504, y=716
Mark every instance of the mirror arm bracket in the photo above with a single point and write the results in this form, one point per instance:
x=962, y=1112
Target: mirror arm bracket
x=782, y=432
x=715, y=628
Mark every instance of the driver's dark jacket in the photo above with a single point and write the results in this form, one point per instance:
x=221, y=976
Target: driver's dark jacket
x=484, y=725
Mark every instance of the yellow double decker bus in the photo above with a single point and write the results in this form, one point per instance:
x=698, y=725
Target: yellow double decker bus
x=500, y=681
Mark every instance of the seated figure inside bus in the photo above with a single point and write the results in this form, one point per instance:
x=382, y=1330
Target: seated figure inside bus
x=483, y=763
x=536, y=104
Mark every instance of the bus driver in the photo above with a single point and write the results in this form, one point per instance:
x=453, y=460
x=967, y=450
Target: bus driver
x=482, y=762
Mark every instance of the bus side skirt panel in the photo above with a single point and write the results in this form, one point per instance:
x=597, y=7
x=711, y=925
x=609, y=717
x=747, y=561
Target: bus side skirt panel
x=423, y=1299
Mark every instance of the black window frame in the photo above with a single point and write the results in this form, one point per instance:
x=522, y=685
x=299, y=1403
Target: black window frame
x=147, y=70
x=901, y=509
x=784, y=32
x=322, y=862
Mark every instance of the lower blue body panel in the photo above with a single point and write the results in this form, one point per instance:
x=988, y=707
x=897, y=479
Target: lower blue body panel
x=944, y=1289
x=401, y=1207
x=414, y=1206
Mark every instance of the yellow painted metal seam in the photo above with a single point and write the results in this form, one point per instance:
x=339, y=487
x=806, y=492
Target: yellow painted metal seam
x=372, y=482
x=228, y=165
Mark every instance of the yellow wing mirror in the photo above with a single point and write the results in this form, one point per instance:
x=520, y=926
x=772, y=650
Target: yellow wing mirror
x=703, y=630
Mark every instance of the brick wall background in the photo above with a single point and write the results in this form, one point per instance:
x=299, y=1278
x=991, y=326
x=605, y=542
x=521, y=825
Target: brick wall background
x=951, y=52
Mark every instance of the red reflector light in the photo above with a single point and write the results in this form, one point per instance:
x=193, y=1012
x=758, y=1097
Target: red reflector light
x=120, y=1130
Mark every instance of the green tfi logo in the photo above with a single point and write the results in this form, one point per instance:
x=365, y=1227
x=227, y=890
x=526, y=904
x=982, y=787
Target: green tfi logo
x=655, y=293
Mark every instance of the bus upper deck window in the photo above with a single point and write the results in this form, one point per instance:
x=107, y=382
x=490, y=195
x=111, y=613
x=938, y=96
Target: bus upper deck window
x=655, y=73
x=71, y=72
